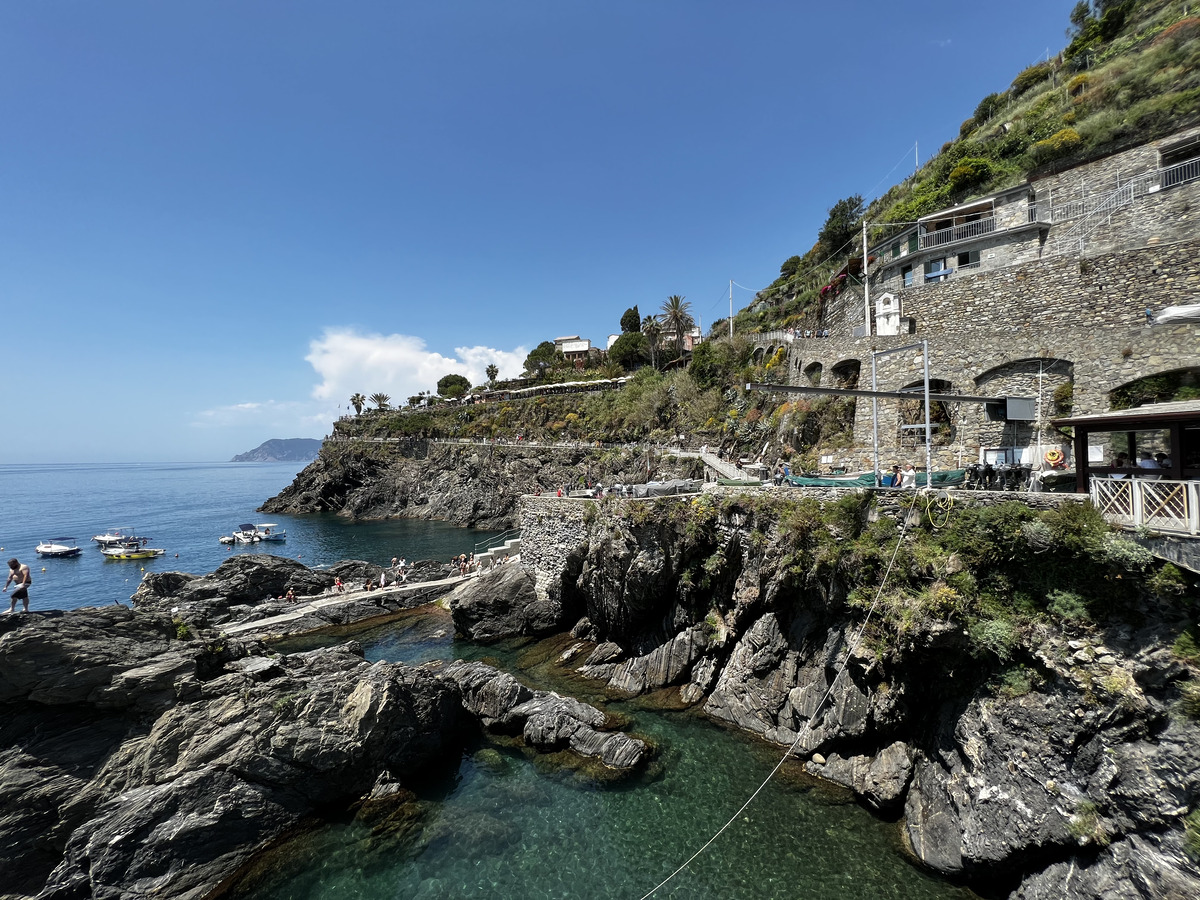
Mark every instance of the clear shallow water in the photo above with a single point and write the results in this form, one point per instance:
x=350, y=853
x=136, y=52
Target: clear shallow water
x=183, y=508
x=498, y=825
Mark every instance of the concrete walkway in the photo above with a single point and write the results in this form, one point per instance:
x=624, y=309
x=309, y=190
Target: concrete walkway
x=304, y=607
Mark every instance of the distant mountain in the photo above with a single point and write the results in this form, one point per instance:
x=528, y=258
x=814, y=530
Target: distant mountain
x=282, y=450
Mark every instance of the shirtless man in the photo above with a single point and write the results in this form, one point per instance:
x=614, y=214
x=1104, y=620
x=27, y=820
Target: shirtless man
x=20, y=574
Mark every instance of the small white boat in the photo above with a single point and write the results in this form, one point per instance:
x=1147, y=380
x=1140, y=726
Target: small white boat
x=119, y=537
x=59, y=546
x=132, y=551
x=269, y=531
x=246, y=534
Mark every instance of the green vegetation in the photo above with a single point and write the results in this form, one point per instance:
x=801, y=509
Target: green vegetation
x=1191, y=840
x=453, y=385
x=1130, y=74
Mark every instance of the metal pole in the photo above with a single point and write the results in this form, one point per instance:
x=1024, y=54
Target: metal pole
x=928, y=430
x=731, y=309
x=875, y=419
x=866, y=287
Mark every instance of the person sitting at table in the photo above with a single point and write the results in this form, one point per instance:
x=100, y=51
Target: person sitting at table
x=1121, y=461
x=1146, y=461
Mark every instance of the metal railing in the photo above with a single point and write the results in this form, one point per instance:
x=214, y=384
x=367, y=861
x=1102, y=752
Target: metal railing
x=1133, y=502
x=958, y=233
x=497, y=540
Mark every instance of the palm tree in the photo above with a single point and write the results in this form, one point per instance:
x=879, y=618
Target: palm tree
x=677, y=318
x=381, y=401
x=357, y=401
x=652, y=329
x=493, y=372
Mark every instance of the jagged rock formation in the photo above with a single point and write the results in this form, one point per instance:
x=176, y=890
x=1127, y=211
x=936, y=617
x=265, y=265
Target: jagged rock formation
x=467, y=484
x=1072, y=780
x=144, y=754
x=134, y=763
x=546, y=720
x=502, y=603
x=282, y=450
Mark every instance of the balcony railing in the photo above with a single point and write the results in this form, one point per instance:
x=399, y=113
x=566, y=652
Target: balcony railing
x=962, y=232
x=1133, y=502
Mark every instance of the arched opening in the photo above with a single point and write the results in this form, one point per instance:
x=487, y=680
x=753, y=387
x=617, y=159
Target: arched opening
x=845, y=374
x=813, y=373
x=911, y=415
x=1050, y=381
x=1164, y=387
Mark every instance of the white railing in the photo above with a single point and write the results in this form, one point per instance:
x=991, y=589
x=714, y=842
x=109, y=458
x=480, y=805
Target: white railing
x=1157, y=504
x=957, y=233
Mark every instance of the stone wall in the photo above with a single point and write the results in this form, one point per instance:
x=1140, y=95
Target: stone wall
x=552, y=528
x=1022, y=331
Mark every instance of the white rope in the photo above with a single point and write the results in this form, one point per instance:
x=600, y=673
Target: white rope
x=805, y=730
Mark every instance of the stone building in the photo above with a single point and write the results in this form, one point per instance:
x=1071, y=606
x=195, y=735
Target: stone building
x=1045, y=290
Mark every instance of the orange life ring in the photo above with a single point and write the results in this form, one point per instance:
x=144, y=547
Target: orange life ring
x=1055, y=458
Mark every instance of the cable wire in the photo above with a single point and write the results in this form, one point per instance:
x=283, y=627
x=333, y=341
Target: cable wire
x=850, y=651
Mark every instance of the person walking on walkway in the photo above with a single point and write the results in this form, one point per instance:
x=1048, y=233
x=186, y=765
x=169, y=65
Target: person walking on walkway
x=18, y=572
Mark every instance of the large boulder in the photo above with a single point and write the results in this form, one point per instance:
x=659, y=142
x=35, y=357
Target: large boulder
x=502, y=603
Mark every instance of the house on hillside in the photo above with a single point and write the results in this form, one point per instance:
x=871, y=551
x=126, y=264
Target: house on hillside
x=575, y=350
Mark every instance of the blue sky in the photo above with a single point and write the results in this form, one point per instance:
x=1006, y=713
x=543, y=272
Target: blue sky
x=220, y=219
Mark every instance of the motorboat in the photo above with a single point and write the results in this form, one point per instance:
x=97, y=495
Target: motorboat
x=132, y=551
x=59, y=546
x=269, y=531
x=118, y=537
x=246, y=534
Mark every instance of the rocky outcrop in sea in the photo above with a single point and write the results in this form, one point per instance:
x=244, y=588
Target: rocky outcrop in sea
x=474, y=484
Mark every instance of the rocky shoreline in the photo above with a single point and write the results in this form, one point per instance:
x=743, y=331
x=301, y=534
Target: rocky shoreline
x=146, y=752
x=470, y=484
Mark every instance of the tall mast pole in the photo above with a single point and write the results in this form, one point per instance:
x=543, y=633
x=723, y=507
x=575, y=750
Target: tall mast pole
x=731, y=309
x=866, y=287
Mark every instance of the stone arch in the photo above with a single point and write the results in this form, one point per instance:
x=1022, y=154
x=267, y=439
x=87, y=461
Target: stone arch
x=1049, y=380
x=813, y=373
x=942, y=415
x=1161, y=387
x=846, y=372
x=758, y=355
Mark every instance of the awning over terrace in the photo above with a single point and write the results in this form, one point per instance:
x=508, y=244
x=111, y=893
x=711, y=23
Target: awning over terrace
x=1178, y=422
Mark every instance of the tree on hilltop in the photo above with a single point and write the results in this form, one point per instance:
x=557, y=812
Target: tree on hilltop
x=453, y=385
x=540, y=358
x=677, y=317
x=357, y=401
x=652, y=329
x=381, y=401
x=842, y=224
x=629, y=350
x=493, y=372
x=631, y=321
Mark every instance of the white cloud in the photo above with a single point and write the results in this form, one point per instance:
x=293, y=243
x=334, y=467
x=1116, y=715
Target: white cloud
x=399, y=365
x=236, y=414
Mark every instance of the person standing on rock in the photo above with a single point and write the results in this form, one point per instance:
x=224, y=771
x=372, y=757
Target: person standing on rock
x=19, y=573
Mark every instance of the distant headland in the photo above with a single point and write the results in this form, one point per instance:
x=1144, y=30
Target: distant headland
x=282, y=450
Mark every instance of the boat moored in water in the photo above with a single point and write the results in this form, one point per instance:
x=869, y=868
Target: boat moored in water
x=132, y=551
x=59, y=547
x=246, y=534
x=269, y=531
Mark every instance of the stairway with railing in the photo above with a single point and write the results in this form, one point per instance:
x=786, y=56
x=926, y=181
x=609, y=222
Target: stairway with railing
x=495, y=548
x=1092, y=213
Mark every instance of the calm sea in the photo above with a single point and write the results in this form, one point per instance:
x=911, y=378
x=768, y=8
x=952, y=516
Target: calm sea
x=183, y=508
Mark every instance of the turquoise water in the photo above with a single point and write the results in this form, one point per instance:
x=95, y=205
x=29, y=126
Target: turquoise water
x=183, y=508
x=497, y=824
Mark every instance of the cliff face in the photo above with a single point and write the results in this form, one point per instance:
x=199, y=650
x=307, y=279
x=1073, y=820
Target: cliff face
x=1052, y=762
x=467, y=484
